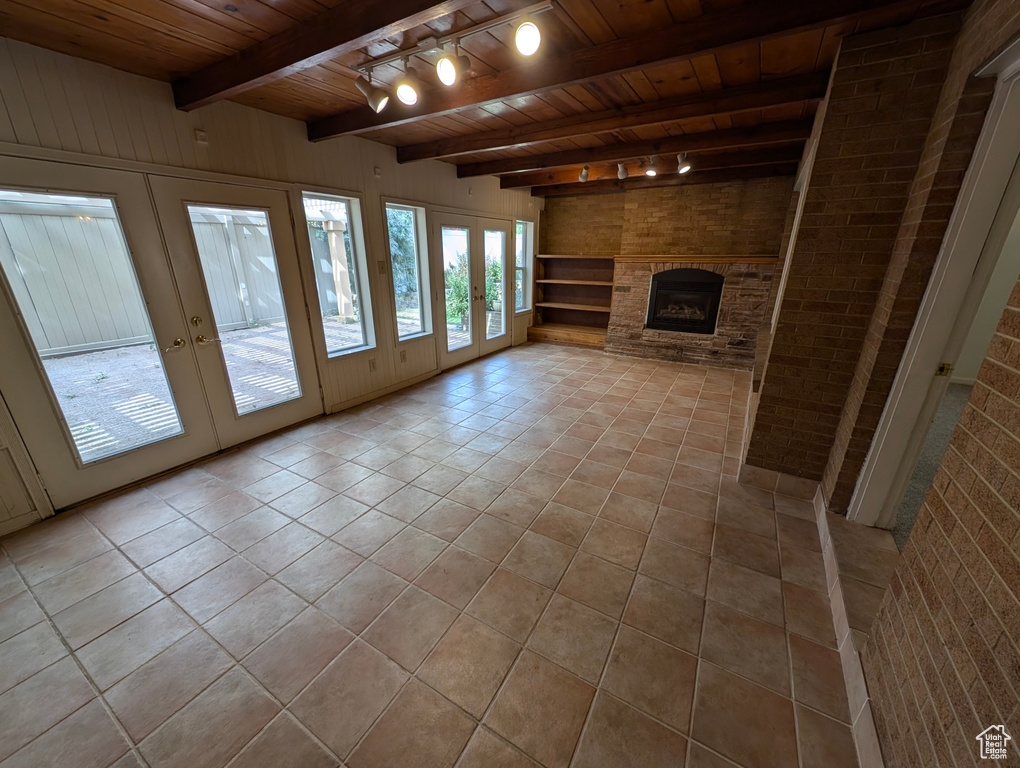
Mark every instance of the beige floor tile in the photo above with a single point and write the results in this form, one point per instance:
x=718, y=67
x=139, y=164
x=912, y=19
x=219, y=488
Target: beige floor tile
x=373, y=489
x=798, y=532
x=253, y=618
x=346, y=475
x=767, y=733
x=747, y=549
x=447, y=519
x=687, y=530
x=274, y=486
x=331, y=516
x=361, y=596
x=593, y=473
x=510, y=603
x=469, y=664
x=283, y=744
x=87, y=739
x=746, y=646
x=628, y=511
x=623, y=737
x=704, y=480
x=818, y=678
x=222, y=586
x=291, y=658
x=654, y=677
x=157, y=544
x=89, y=618
x=184, y=566
x=539, y=558
x=554, y=462
x=302, y=499
x=575, y=637
x=213, y=727
x=250, y=528
x=316, y=572
x=476, y=492
x=152, y=693
x=597, y=583
x=18, y=613
x=615, y=543
x=541, y=709
x=410, y=627
x=824, y=743
x=341, y=704
x=803, y=567
x=749, y=517
x=441, y=479
x=516, y=507
x=408, y=503
x=418, y=722
x=745, y=590
x=281, y=548
x=679, y=566
x=564, y=524
x=809, y=614
x=24, y=654
x=538, y=483
x=701, y=757
x=455, y=576
x=665, y=612
x=486, y=750
x=369, y=532
x=581, y=496
x=409, y=552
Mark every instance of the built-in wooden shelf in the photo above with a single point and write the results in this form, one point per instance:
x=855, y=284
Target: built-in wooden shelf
x=568, y=334
x=608, y=283
x=573, y=294
x=576, y=307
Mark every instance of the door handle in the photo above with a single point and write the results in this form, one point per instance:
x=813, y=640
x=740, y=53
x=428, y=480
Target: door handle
x=200, y=339
x=178, y=344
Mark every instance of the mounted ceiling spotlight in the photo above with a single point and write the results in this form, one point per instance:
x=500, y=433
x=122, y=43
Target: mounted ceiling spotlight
x=527, y=38
x=653, y=165
x=682, y=163
x=583, y=175
x=451, y=66
x=621, y=170
x=409, y=86
x=377, y=97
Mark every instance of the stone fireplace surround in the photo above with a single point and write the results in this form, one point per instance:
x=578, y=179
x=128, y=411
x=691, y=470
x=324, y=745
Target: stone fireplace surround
x=745, y=295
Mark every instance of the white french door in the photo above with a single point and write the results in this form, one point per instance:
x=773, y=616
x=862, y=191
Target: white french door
x=88, y=367
x=234, y=258
x=121, y=358
x=472, y=303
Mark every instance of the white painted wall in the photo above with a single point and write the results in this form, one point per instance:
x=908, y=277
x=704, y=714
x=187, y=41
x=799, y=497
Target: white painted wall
x=53, y=101
x=989, y=313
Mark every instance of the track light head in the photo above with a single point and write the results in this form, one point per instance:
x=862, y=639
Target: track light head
x=653, y=166
x=583, y=175
x=377, y=98
x=621, y=170
x=527, y=38
x=409, y=87
x=683, y=165
x=451, y=67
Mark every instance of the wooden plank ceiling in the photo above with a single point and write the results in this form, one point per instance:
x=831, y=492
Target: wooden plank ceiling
x=734, y=83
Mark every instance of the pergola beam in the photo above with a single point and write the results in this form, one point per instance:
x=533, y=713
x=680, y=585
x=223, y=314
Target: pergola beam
x=768, y=134
x=707, y=34
x=788, y=90
x=350, y=26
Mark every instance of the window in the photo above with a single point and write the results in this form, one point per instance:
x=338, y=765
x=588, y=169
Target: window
x=524, y=244
x=409, y=268
x=334, y=225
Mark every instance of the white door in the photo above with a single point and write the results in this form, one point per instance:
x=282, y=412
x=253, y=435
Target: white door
x=471, y=303
x=234, y=258
x=96, y=360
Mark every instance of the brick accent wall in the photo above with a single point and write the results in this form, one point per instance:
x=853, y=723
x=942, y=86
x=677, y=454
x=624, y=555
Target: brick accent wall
x=944, y=659
x=742, y=306
x=884, y=92
x=589, y=225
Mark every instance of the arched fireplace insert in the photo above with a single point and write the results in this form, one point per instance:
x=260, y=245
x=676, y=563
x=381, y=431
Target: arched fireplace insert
x=685, y=300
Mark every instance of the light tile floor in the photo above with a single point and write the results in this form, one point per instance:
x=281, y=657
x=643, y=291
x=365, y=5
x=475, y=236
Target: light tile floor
x=539, y=558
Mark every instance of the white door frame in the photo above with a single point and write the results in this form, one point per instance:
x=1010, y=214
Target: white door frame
x=984, y=212
x=487, y=345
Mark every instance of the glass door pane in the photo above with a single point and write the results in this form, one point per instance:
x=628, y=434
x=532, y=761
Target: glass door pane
x=235, y=248
x=457, y=281
x=495, y=267
x=71, y=276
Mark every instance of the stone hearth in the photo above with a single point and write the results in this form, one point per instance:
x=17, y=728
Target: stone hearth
x=745, y=294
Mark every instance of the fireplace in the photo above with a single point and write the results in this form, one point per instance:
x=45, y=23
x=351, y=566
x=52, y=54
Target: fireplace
x=684, y=300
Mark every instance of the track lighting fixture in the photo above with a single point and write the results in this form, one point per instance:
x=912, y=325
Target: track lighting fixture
x=451, y=66
x=409, y=86
x=621, y=170
x=682, y=163
x=653, y=166
x=527, y=38
x=377, y=97
x=583, y=175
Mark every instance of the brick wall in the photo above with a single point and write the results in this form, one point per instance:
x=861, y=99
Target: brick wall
x=584, y=225
x=884, y=93
x=741, y=313
x=943, y=663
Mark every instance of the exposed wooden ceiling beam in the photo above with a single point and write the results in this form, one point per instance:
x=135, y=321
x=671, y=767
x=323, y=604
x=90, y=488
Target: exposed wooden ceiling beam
x=734, y=138
x=348, y=27
x=706, y=34
x=673, y=180
x=788, y=90
x=667, y=165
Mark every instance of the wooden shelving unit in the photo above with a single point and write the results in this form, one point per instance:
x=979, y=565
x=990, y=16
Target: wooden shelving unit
x=573, y=295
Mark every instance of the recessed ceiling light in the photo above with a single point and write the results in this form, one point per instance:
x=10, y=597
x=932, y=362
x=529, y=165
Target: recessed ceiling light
x=527, y=38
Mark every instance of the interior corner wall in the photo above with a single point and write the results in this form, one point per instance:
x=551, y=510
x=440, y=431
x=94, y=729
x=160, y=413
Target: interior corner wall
x=882, y=98
x=51, y=101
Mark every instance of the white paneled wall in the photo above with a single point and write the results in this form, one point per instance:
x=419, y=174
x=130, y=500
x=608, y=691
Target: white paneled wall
x=56, y=102
x=22, y=499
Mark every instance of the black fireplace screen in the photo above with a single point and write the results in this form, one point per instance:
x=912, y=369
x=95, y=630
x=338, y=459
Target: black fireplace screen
x=685, y=300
